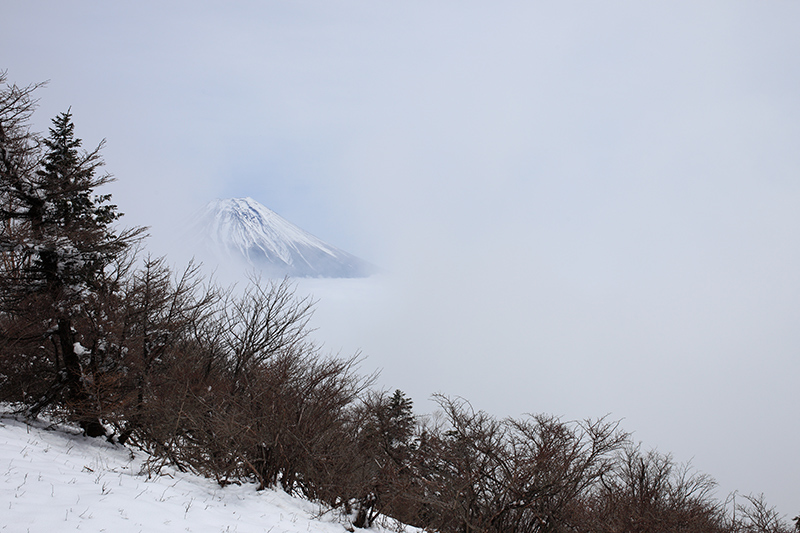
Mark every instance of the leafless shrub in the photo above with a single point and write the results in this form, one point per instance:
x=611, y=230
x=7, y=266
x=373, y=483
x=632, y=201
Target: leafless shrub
x=482, y=474
x=267, y=320
x=158, y=322
x=755, y=515
x=246, y=397
x=647, y=491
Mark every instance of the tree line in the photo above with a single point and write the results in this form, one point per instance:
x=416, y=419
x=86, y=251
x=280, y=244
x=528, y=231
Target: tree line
x=95, y=332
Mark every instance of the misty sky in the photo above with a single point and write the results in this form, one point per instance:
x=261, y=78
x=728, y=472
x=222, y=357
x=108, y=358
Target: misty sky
x=582, y=208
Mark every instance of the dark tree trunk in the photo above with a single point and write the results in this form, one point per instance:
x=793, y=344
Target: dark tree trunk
x=76, y=393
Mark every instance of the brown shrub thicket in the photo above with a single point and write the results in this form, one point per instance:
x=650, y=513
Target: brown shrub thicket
x=484, y=474
x=647, y=491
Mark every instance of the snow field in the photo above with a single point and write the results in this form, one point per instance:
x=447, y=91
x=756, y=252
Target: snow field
x=57, y=480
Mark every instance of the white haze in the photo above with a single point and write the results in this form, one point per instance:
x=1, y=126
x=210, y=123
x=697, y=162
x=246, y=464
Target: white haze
x=581, y=208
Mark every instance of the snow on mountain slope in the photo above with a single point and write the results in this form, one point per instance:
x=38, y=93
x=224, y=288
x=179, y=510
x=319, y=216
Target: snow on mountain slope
x=237, y=229
x=57, y=480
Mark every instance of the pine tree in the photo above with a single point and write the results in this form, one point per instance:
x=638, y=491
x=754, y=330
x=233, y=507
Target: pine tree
x=386, y=446
x=60, y=249
x=72, y=228
x=400, y=420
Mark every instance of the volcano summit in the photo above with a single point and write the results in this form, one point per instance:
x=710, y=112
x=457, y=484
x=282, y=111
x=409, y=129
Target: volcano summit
x=243, y=230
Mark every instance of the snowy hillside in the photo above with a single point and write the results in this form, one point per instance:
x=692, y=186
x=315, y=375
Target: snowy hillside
x=57, y=480
x=241, y=229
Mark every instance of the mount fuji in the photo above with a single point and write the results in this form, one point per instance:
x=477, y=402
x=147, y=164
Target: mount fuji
x=243, y=230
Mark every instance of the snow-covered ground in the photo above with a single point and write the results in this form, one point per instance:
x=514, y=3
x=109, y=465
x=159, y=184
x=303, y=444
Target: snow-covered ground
x=57, y=480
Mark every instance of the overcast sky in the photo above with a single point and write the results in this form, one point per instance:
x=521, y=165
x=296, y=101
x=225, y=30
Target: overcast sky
x=582, y=208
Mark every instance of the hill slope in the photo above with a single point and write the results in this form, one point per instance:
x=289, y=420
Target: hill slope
x=57, y=480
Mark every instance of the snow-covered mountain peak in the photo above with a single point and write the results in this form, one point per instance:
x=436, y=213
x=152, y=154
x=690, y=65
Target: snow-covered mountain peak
x=242, y=229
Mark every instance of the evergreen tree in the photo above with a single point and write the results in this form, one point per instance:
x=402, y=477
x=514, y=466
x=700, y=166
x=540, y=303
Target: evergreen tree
x=386, y=447
x=400, y=420
x=71, y=227
x=59, y=251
